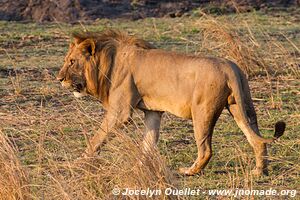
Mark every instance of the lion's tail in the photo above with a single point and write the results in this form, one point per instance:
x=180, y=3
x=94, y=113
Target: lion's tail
x=240, y=115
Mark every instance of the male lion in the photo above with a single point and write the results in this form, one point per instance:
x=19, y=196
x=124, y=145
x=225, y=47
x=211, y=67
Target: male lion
x=126, y=73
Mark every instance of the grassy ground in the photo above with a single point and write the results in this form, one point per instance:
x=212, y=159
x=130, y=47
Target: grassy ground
x=48, y=125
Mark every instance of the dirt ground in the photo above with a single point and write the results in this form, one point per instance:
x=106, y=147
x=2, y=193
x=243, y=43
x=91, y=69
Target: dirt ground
x=74, y=10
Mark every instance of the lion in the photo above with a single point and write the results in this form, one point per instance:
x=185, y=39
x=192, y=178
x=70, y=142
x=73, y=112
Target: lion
x=127, y=73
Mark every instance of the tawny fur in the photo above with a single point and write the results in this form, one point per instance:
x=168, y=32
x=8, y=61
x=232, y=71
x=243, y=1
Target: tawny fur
x=128, y=73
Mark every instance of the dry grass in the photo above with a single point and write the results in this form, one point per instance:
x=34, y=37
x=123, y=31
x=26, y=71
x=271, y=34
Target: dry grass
x=219, y=37
x=13, y=179
x=251, y=54
x=122, y=165
x=48, y=125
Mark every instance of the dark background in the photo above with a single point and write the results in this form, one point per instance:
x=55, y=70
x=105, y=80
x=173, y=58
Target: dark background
x=74, y=10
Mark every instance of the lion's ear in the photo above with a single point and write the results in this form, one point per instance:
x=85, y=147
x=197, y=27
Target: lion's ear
x=77, y=38
x=71, y=45
x=89, y=46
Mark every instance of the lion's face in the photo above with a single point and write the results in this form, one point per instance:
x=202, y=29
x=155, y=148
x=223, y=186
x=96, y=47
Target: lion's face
x=73, y=74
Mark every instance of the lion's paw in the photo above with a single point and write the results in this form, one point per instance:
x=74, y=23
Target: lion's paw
x=259, y=172
x=186, y=171
x=88, y=154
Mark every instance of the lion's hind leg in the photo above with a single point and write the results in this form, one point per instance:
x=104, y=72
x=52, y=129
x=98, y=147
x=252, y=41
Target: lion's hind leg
x=204, y=121
x=260, y=149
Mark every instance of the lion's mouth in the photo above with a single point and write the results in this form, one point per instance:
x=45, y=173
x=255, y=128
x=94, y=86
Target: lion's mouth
x=78, y=87
x=79, y=90
x=79, y=94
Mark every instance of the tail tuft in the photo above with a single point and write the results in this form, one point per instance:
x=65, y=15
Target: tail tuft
x=279, y=129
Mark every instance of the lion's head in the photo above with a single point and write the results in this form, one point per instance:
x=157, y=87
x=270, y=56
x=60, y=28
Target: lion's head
x=90, y=59
x=79, y=66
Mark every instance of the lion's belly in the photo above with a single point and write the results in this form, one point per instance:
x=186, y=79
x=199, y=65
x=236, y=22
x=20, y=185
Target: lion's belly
x=178, y=108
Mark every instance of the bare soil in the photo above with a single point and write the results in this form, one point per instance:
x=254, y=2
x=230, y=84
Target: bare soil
x=74, y=10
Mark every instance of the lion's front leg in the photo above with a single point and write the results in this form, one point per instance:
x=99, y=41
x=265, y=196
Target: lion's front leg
x=122, y=100
x=93, y=144
x=152, y=123
x=110, y=121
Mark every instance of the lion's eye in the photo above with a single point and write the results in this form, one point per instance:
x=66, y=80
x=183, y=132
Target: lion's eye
x=72, y=62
